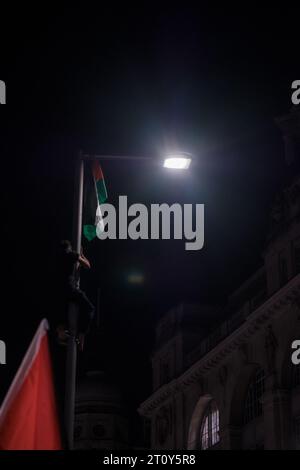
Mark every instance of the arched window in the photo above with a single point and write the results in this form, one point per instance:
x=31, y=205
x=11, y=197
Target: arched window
x=210, y=427
x=256, y=388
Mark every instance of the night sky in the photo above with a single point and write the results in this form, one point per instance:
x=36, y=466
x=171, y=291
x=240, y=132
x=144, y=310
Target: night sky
x=138, y=81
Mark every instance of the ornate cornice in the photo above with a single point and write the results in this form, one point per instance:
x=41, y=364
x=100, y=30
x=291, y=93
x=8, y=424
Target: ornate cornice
x=253, y=323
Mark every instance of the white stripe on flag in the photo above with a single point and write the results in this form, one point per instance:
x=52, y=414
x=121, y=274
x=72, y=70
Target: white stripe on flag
x=99, y=221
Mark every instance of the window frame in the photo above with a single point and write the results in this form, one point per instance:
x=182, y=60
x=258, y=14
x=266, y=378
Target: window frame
x=212, y=431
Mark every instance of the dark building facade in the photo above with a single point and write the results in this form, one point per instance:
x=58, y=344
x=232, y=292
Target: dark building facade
x=233, y=385
x=100, y=418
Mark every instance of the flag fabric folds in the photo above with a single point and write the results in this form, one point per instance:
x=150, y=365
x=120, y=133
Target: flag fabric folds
x=95, y=194
x=28, y=415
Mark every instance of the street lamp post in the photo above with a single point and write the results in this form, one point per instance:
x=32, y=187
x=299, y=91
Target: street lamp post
x=177, y=161
x=70, y=382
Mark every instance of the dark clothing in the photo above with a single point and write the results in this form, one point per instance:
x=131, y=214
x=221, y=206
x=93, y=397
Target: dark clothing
x=67, y=269
x=86, y=309
x=69, y=292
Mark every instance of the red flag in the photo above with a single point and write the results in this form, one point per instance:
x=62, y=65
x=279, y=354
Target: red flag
x=28, y=415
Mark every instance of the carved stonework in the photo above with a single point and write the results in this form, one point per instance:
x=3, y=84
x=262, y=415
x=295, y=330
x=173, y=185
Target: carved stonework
x=223, y=375
x=244, y=351
x=201, y=383
x=163, y=424
x=271, y=346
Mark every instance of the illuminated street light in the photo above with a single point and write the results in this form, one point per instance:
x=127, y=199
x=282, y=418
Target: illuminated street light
x=177, y=162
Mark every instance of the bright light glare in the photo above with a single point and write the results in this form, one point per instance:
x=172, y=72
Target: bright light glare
x=177, y=162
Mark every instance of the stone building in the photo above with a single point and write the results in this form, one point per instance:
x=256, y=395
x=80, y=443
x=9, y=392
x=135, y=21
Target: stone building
x=100, y=418
x=232, y=384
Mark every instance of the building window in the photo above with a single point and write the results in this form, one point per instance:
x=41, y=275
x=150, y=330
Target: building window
x=253, y=405
x=210, y=427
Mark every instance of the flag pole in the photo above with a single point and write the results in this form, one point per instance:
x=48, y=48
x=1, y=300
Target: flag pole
x=71, y=361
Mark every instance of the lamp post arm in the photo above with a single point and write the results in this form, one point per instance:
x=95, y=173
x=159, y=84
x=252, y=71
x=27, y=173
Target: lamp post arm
x=114, y=157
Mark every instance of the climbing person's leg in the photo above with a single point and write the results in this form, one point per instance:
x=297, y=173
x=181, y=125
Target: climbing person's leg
x=85, y=316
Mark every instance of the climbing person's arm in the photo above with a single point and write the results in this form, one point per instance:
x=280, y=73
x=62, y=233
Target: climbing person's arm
x=84, y=261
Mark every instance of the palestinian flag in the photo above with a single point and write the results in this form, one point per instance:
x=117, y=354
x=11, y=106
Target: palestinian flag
x=28, y=415
x=95, y=195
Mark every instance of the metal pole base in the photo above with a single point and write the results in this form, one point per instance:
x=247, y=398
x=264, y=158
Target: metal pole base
x=70, y=384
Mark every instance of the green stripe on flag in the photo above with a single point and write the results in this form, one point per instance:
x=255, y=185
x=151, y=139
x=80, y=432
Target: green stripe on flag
x=101, y=191
x=89, y=231
x=95, y=194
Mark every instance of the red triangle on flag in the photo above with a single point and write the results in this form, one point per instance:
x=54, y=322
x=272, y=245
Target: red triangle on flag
x=28, y=415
